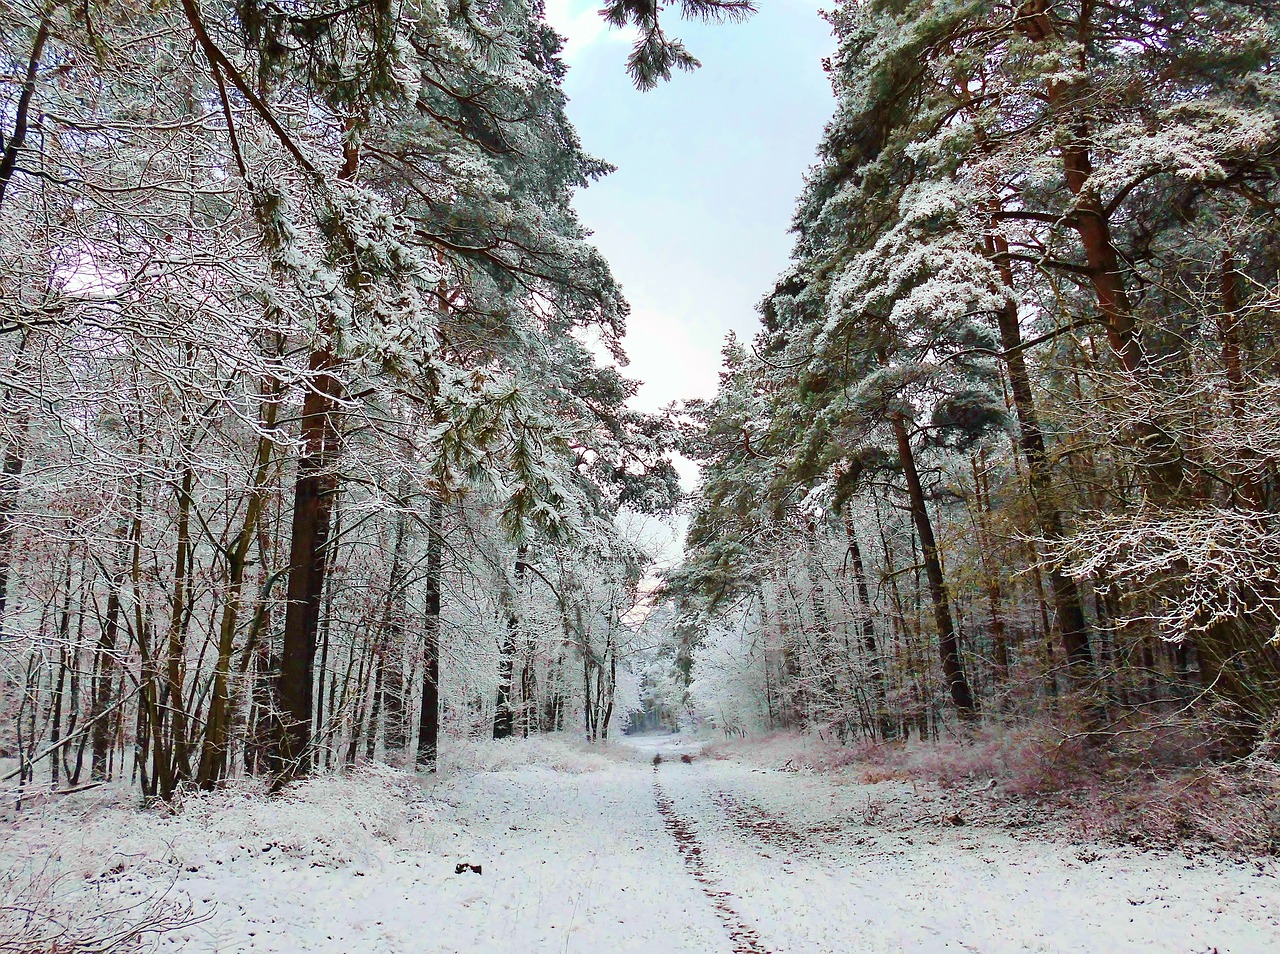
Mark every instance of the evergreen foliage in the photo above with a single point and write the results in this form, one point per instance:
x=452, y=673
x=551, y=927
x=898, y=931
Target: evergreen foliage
x=299, y=393
x=1034, y=281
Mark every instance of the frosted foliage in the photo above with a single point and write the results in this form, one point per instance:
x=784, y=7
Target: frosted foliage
x=922, y=278
x=727, y=683
x=1251, y=437
x=1199, y=567
x=287, y=261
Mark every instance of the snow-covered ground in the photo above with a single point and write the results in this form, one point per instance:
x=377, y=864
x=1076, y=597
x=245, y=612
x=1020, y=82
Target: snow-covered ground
x=590, y=852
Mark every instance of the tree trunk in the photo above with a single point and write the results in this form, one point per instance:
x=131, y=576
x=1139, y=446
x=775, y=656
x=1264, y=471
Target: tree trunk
x=1162, y=459
x=868, y=627
x=10, y=473
x=995, y=595
x=13, y=143
x=379, y=663
x=1073, y=628
x=172, y=704
x=503, y=716
x=429, y=720
x=313, y=502
x=948, y=643
x=396, y=730
x=314, y=492
x=103, y=670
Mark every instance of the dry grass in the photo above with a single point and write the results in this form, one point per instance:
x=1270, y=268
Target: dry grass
x=1151, y=785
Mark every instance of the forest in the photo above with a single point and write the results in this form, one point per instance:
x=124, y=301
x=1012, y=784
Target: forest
x=309, y=389
x=321, y=453
x=1002, y=447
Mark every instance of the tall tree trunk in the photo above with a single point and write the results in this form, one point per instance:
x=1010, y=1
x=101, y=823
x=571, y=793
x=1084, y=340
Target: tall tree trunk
x=379, y=663
x=867, y=625
x=103, y=671
x=10, y=472
x=610, y=691
x=1162, y=460
x=1248, y=489
x=1067, y=603
x=308, y=564
x=995, y=596
x=73, y=700
x=324, y=721
x=13, y=143
x=174, y=750
x=503, y=715
x=429, y=719
x=313, y=502
x=213, y=749
x=359, y=704
x=396, y=735
x=59, y=687
x=948, y=642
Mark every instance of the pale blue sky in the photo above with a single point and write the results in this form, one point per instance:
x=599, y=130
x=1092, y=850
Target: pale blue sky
x=695, y=221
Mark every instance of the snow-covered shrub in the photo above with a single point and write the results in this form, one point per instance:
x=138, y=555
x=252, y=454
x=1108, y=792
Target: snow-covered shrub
x=327, y=820
x=1151, y=784
x=94, y=872
x=1236, y=808
x=807, y=751
x=1024, y=760
x=80, y=880
x=41, y=914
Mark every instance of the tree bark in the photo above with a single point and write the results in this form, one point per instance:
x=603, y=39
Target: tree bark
x=868, y=632
x=995, y=595
x=21, y=115
x=1090, y=219
x=14, y=459
x=308, y=564
x=503, y=715
x=103, y=670
x=396, y=730
x=429, y=719
x=313, y=502
x=948, y=642
x=1074, y=629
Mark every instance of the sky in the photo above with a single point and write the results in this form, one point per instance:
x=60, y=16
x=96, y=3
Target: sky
x=695, y=221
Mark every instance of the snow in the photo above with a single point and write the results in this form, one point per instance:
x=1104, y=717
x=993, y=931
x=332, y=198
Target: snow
x=588, y=850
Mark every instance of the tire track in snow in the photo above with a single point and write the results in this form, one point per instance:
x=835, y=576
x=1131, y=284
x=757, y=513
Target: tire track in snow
x=745, y=940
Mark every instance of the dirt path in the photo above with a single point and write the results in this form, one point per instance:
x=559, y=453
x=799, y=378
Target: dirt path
x=745, y=940
x=584, y=851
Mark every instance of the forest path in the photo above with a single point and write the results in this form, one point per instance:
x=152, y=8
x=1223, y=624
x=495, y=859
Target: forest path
x=599, y=854
x=802, y=863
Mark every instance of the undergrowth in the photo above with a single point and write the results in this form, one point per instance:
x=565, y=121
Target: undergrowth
x=1152, y=785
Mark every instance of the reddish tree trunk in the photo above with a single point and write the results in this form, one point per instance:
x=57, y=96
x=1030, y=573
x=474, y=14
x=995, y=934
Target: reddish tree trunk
x=308, y=564
x=1066, y=594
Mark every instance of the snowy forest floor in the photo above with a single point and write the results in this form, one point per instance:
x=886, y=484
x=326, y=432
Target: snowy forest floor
x=601, y=849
